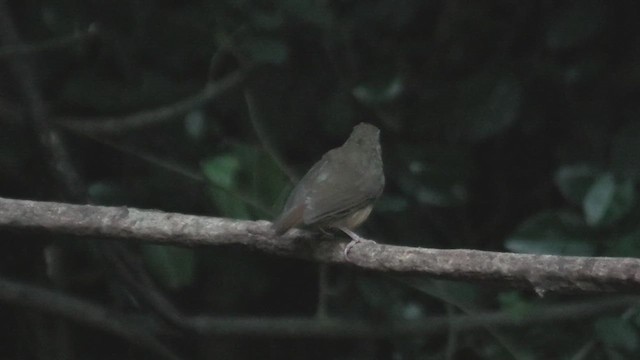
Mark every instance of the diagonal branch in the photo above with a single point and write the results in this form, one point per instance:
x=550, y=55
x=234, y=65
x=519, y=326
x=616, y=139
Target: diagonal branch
x=81, y=311
x=51, y=44
x=112, y=125
x=27, y=78
x=541, y=272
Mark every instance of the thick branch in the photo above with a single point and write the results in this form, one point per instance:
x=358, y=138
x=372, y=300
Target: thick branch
x=541, y=272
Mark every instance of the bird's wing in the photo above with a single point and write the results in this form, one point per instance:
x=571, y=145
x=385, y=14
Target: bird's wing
x=337, y=190
x=292, y=213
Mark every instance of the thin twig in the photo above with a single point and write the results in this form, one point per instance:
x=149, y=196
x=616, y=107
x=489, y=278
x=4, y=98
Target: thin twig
x=175, y=168
x=52, y=44
x=114, y=125
x=256, y=122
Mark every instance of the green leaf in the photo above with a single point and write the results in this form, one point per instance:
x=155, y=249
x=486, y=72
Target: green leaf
x=244, y=172
x=554, y=233
x=617, y=333
x=173, y=267
x=229, y=205
x=222, y=169
x=574, y=181
x=515, y=304
x=608, y=200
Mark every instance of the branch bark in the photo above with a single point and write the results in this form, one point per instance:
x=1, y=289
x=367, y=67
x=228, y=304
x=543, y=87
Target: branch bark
x=541, y=272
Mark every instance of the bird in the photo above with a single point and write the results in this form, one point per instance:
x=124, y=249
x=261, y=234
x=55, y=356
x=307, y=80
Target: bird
x=339, y=191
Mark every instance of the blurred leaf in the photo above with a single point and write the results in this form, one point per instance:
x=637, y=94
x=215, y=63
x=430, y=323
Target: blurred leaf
x=488, y=104
x=264, y=180
x=515, y=303
x=266, y=50
x=229, y=205
x=248, y=171
x=380, y=93
x=574, y=181
x=173, y=267
x=550, y=247
x=222, y=169
x=195, y=124
x=576, y=24
x=617, y=333
x=625, y=152
x=440, y=178
x=553, y=233
x=608, y=200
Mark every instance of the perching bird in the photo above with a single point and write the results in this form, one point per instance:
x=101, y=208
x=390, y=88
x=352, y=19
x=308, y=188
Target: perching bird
x=339, y=191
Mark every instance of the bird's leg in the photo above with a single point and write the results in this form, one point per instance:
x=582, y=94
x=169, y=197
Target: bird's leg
x=355, y=239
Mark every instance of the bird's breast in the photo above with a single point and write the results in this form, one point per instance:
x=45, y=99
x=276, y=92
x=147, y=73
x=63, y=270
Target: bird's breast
x=354, y=219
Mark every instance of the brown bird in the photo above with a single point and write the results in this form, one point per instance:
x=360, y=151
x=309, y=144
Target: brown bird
x=339, y=191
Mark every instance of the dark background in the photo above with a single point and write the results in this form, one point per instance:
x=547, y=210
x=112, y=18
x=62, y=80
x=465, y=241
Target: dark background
x=506, y=125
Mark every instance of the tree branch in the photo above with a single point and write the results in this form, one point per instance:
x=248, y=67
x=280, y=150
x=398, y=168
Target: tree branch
x=83, y=312
x=349, y=328
x=541, y=272
x=50, y=140
x=112, y=125
x=51, y=44
x=144, y=331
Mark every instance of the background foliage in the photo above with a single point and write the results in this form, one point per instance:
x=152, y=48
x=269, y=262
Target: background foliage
x=505, y=126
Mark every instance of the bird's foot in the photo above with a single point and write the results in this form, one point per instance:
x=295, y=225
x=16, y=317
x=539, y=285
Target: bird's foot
x=355, y=239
